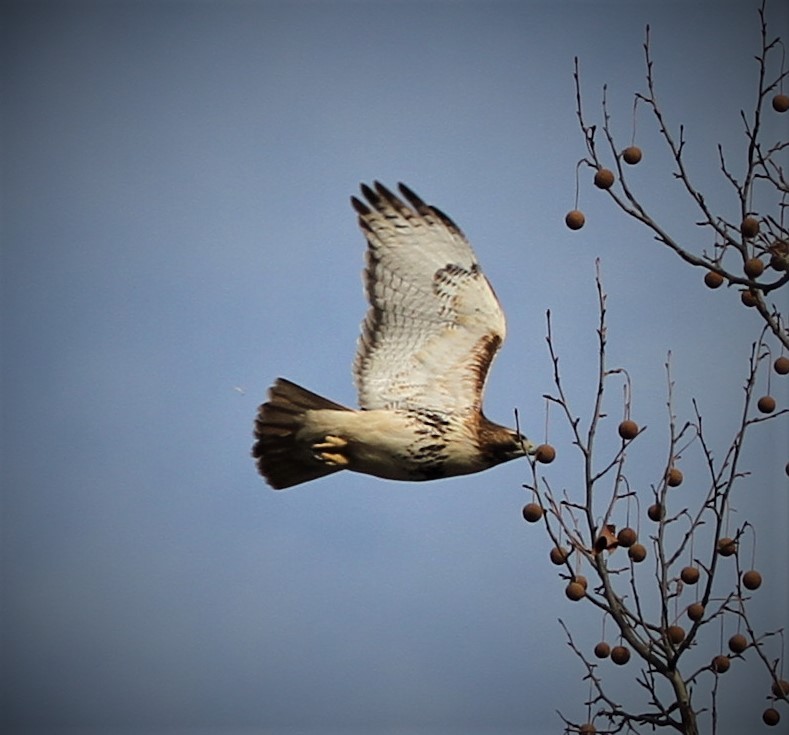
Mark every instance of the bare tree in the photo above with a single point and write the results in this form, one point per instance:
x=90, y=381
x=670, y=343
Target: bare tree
x=751, y=253
x=687, y=547
x=667, y=590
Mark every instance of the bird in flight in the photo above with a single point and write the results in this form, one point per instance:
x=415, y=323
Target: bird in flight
x=432, y=330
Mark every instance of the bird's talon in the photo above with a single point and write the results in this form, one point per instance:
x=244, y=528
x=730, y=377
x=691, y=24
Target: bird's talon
x=331, y=442
x=336, y=460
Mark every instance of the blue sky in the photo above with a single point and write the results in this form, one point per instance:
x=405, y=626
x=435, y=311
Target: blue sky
x=176, y=233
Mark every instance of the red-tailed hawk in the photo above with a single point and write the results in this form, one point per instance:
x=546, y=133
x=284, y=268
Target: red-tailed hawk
x=433, y=328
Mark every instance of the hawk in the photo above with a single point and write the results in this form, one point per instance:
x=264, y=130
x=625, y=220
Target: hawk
x=432, y=330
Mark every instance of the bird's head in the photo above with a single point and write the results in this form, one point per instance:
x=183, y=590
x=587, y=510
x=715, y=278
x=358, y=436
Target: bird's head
x=501, y=444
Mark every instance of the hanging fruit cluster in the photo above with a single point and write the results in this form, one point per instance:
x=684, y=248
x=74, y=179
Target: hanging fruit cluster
x=692, y=579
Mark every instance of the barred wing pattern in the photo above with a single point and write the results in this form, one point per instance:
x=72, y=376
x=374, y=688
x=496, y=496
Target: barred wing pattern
x=434, y=323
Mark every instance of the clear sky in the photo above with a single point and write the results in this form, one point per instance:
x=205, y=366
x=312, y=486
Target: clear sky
x=176, y=233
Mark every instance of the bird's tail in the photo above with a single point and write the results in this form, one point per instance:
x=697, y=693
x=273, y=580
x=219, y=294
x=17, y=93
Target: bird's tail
x=281, y=458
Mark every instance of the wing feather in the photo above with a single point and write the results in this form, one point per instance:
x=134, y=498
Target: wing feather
x=434, y=323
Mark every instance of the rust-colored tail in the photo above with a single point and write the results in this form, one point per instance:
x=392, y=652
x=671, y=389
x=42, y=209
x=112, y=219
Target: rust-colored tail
x=281, y=459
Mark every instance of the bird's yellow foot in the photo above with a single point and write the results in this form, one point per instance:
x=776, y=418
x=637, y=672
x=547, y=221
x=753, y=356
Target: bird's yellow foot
x=330, y=442
x=335, y=458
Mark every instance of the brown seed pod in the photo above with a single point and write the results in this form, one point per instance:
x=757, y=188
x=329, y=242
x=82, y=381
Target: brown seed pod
x=779, y=255
x=753, y=267
x=627, y=537
x=581, y=580
x=752, y=580
x=738, y=643
x=607, y=540
x=674, y=477
x=713, y=279
x=631, y=155
x=781, y=689
x=604, y=178
x=602, y=650
x=676, y=634
x=545, y=453
x=559, y=555
x=781, y=102
x=721, y=663
x=532, y=512
x=749, y=227
x=727, y=546
x=779, y=252
x=574, y=591
x=620, y=655
x=628, y=429
x=779, y=262
x=637, y=553
x=771, y=716
x=587, y=729
x=575, y=219
x=748, y=298
x=781, y=365
x=656, y=512
x=695, y=611
x=690, y=575
x=766, y=404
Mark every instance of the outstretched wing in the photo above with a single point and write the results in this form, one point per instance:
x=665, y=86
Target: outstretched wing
x=434, y=323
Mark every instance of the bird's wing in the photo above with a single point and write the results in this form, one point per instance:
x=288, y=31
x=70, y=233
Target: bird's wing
x=434, y=323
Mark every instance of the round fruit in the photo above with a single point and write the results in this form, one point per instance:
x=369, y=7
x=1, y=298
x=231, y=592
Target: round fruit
x=575, y=219
x=655, y=512
x=676, y=634
x=545, y=453
x=695, y=611
x=604, y=178
x=631, y=155
x=781, y=689
x=781, y=365
x=574, y=591
x=620, y=655
x=781, y=102
x=713, y=279
x=581, y=580
x=753, y=267
x=721, y=663
x=752, y=580
x=637, y=553
x=626, y=537
x=674, y=477
x=738, y=643
x=727, y=546
x=766, y=404
x=602, y=650
x=587, y=729
x=532, y=512
x=771, y=716
x=628, y=429
x=749, y=227
x=690, y=575
x=779, y=262
x=559, y=555
x=748, y=298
